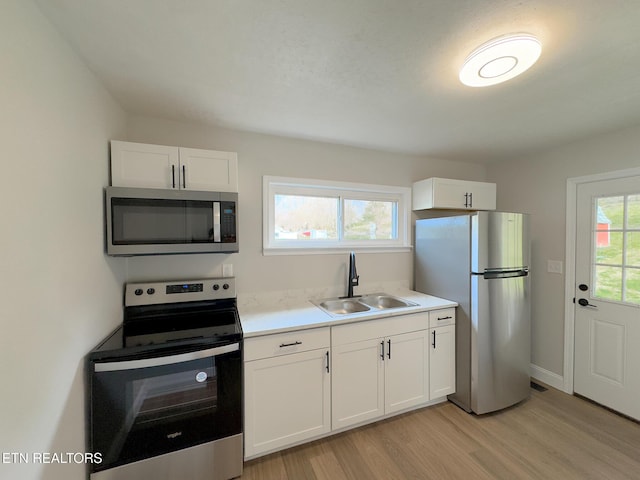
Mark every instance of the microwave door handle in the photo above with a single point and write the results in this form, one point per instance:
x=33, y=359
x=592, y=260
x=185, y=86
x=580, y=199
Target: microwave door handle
x=168, y=360
x=216, y=222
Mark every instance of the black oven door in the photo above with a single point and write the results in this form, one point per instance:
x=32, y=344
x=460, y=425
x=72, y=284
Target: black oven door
x=143, y=407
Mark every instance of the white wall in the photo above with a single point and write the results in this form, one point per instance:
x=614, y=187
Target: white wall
x=537, y=185
x=60, y=294
x=260, y=155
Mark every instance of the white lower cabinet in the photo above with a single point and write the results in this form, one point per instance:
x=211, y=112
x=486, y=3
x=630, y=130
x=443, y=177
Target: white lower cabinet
x=442, y=352
x=358, y=383
x=302, y=385
x=287, y=395
x=375, y=377
x=406, y=366
x=442, y=361
x=379, y=367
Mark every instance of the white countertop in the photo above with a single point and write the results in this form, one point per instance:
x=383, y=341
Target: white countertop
x=301, y=314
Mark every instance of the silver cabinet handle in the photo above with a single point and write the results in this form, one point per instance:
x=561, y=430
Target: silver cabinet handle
x=168, y=360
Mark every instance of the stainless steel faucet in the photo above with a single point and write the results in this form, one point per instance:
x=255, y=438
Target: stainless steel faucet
x=353, y=279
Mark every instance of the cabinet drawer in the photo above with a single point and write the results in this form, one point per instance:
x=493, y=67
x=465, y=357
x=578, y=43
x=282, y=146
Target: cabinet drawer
x=286, y=343
x=383, y=327
x=439, y=318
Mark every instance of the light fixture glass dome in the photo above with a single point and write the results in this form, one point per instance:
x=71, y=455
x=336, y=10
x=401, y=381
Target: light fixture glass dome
x=500, y=59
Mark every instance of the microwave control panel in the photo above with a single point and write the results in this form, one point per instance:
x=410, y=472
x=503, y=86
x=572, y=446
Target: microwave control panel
x=228, y=222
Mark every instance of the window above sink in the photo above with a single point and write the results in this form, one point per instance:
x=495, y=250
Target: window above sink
x=319, y=216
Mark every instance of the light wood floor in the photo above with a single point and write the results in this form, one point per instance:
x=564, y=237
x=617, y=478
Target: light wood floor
x=550, y=436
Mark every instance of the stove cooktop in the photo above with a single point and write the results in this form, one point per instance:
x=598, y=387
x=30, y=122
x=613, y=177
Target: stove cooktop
x=174, y=317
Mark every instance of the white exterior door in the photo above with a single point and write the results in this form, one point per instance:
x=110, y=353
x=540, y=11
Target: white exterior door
x=607, y=294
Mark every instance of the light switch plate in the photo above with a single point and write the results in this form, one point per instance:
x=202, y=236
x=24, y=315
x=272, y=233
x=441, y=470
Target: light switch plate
x=554, y=266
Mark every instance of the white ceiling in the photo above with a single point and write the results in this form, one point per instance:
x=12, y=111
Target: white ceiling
x=373, y=73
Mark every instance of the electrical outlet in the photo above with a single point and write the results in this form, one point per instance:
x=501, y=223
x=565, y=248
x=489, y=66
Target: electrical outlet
x=554, y=266
x=227, y=269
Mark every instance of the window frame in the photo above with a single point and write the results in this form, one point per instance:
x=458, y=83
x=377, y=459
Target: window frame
x=273, y=185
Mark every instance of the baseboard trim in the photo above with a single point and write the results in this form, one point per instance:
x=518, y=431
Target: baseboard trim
x=545, y=376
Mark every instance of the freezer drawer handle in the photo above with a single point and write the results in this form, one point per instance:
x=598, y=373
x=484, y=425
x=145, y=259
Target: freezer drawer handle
x=297, y=342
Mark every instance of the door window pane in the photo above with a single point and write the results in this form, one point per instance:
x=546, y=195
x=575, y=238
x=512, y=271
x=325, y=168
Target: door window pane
x=608, y=283
x=610, y=213
x=632, y=251
x=632, y=286
x=609, y=248
x=616, y=248
x=300, y=217
x=369, y=220
x=633, y=212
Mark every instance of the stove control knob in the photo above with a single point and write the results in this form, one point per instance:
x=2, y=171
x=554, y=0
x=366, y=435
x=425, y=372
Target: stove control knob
x=151, y=291
x=138, y=291
x=216, y=286
x=225, y=286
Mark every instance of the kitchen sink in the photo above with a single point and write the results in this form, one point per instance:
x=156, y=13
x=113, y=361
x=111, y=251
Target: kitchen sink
x=375, y=301
x=343, y=306
x=382, y=301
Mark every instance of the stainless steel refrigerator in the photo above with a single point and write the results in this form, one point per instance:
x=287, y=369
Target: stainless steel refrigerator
x=481, y=261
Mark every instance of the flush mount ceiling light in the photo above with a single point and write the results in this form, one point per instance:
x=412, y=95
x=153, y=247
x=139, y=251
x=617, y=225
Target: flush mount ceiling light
x=500, y=59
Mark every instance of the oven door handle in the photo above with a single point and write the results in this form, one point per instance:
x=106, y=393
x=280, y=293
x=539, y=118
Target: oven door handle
x=168, y=360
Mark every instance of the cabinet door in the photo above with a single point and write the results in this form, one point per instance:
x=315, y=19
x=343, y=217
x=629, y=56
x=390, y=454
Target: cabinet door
x=442, y=361
x=483, y=196
x=208, y=170
x=451, y=194
x=287, y=400
x=406, y=370
x=144, y=166
x=357, y=382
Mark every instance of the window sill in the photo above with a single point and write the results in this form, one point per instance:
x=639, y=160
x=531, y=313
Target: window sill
x=334, y=250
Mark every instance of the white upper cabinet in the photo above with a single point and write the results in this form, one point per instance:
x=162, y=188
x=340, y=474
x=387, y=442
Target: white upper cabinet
x=208, y=170
x=160, y=166
x=448, y=193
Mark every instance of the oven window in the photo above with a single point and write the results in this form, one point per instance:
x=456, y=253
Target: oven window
x=140, y=413
x=170, y=396
x=137, y=221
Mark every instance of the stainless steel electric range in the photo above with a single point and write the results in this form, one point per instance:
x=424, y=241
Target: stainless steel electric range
x=165, y=389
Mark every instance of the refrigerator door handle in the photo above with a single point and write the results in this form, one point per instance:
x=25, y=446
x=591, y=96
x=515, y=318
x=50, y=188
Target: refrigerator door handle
x=517, y=272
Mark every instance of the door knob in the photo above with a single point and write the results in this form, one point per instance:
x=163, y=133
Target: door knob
x=583, y=287
x=585, y=303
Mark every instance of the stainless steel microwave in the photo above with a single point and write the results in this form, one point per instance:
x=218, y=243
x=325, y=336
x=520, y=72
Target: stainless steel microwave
x=151, y=221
